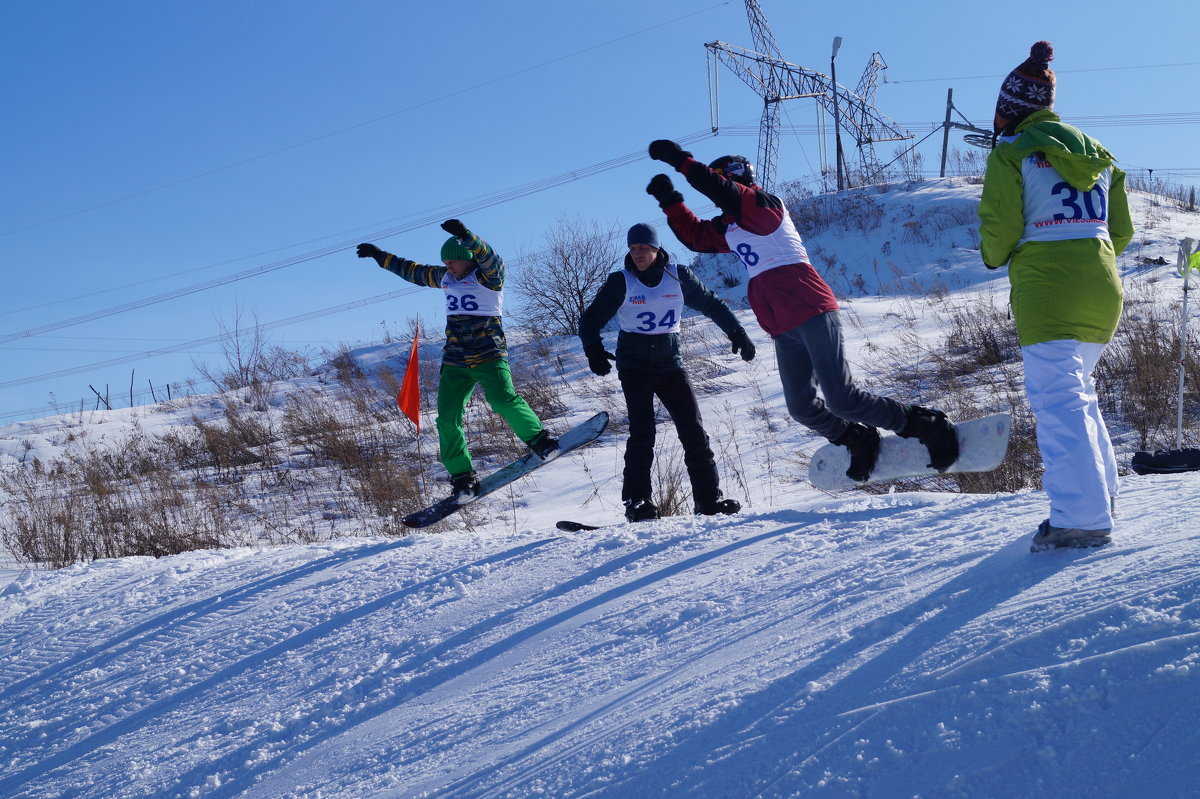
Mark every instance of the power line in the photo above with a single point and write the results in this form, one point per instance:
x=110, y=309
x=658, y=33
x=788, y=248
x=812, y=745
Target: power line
x=1057, y=72
x=183, y=346
x=186, y=345
x=487, y=201
x=362, y=124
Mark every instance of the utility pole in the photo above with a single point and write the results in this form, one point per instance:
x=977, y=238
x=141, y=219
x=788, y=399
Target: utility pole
x=946, y=130
x=837, y=117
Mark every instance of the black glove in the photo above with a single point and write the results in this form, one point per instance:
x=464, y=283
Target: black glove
x=743, y=344
x=662, y=189
x=455, y=228
x=371, y=251
x=598, y=358
x=668, y=152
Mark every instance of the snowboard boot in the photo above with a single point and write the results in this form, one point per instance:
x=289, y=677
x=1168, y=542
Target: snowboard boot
x=1050, y=537
x=863, y=443
x=464, y=486
x=544, y=446
x=724, y=506
x=640, y=510
x=935, y=431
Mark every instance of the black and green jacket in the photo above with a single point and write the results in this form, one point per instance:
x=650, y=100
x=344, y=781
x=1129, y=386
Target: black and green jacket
x=470, y=340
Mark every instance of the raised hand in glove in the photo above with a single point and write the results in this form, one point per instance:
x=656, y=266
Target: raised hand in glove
x=662, y=189
x=455, y=228
x=598, y=358
x=371, y=251
x=668, y=152
x=742, y=343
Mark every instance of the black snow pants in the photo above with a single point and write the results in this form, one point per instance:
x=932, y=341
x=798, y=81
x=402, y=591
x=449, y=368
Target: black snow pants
x=674, y=390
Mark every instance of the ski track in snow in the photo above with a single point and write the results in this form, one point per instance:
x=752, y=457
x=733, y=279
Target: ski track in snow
x=910, y=636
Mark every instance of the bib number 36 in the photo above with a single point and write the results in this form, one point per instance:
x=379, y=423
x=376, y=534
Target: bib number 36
x=465, y=302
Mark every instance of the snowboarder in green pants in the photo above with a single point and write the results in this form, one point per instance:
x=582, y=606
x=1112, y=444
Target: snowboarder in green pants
x=476, y=351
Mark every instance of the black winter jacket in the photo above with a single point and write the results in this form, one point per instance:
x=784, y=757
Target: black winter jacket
x=651, y=352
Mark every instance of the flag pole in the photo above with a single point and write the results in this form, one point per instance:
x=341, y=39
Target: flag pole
x=1186, y=256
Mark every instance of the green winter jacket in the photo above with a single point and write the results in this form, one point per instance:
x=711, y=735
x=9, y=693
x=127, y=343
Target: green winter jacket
x=1066, y=288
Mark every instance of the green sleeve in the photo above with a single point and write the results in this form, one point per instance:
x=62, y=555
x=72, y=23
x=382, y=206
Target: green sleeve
x=490, y=264
x=1001, y=209
x=1120, y=223
x=421, y=274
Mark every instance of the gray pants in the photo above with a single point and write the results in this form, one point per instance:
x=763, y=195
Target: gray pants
x=811, y=355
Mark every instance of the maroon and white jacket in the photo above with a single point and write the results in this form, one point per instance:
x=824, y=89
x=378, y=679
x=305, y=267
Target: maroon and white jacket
x=784, y=289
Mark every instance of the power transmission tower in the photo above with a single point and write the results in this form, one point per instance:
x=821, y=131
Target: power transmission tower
x=766, y=72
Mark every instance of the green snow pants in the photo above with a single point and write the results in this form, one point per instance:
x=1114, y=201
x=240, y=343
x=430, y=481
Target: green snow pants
x=454, y=389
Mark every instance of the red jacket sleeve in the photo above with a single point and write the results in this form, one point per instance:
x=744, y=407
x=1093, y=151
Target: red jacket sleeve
x=749, y=207
x=698, y=235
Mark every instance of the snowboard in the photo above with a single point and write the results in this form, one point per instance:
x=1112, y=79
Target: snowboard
x=577, y=437
x=575, y=527
x=982, y=443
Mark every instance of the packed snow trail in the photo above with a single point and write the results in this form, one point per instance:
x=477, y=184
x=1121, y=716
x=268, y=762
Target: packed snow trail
x=902, y=645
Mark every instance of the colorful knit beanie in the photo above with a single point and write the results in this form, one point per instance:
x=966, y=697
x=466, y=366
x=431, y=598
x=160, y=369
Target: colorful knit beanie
x=453, y=251
x=1028, y=88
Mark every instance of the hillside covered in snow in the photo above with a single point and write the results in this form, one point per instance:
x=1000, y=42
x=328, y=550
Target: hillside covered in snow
x=895, y=644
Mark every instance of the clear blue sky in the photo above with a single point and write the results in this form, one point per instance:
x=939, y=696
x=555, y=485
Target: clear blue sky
x=152, y=146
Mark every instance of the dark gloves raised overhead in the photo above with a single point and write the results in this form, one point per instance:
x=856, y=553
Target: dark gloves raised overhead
x=455, y=228
x=598, y=358
x=668, y=152
x=371, y=251
x=662, y=189
x=742, y=343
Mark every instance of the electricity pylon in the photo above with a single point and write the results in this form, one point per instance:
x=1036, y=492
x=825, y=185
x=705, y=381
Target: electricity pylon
x=766, y=72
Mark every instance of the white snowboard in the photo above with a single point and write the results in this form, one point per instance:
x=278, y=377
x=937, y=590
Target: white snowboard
x=982, y=443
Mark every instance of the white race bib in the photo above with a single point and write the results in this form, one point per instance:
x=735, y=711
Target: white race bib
x=1055, y=210
x=760, y=253
x=469, y=298
x=651, y=310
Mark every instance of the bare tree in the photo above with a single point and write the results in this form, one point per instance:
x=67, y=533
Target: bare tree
x=250, y=361
x=557, y=282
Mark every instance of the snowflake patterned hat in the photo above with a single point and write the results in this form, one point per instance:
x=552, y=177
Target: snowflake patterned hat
x=1028, y=88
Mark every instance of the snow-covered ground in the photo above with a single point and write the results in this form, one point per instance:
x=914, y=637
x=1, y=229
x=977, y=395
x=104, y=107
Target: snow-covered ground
x=894, y=645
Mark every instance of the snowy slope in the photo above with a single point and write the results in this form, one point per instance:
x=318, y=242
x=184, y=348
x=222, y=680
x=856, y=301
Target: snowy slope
x=884, y=646
x=896, y=645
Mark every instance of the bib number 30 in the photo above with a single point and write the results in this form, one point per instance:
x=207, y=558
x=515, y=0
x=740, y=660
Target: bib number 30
x=1095, y=204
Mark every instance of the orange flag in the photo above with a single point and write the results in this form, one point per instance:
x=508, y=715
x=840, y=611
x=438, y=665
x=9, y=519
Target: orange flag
x=409, y=399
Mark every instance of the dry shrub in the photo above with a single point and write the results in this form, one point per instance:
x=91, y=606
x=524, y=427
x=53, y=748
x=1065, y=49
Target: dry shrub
x=1138, y=377
x=672, y=492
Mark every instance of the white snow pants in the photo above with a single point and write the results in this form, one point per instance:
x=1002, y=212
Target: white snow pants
x=1080, y=468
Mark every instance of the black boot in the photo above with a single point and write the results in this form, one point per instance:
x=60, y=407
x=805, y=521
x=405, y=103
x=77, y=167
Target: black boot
x=935, y=431
x=712, y=508
x=640, y=510
x=863, y=443
x=464, y=485
x=544, y=446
